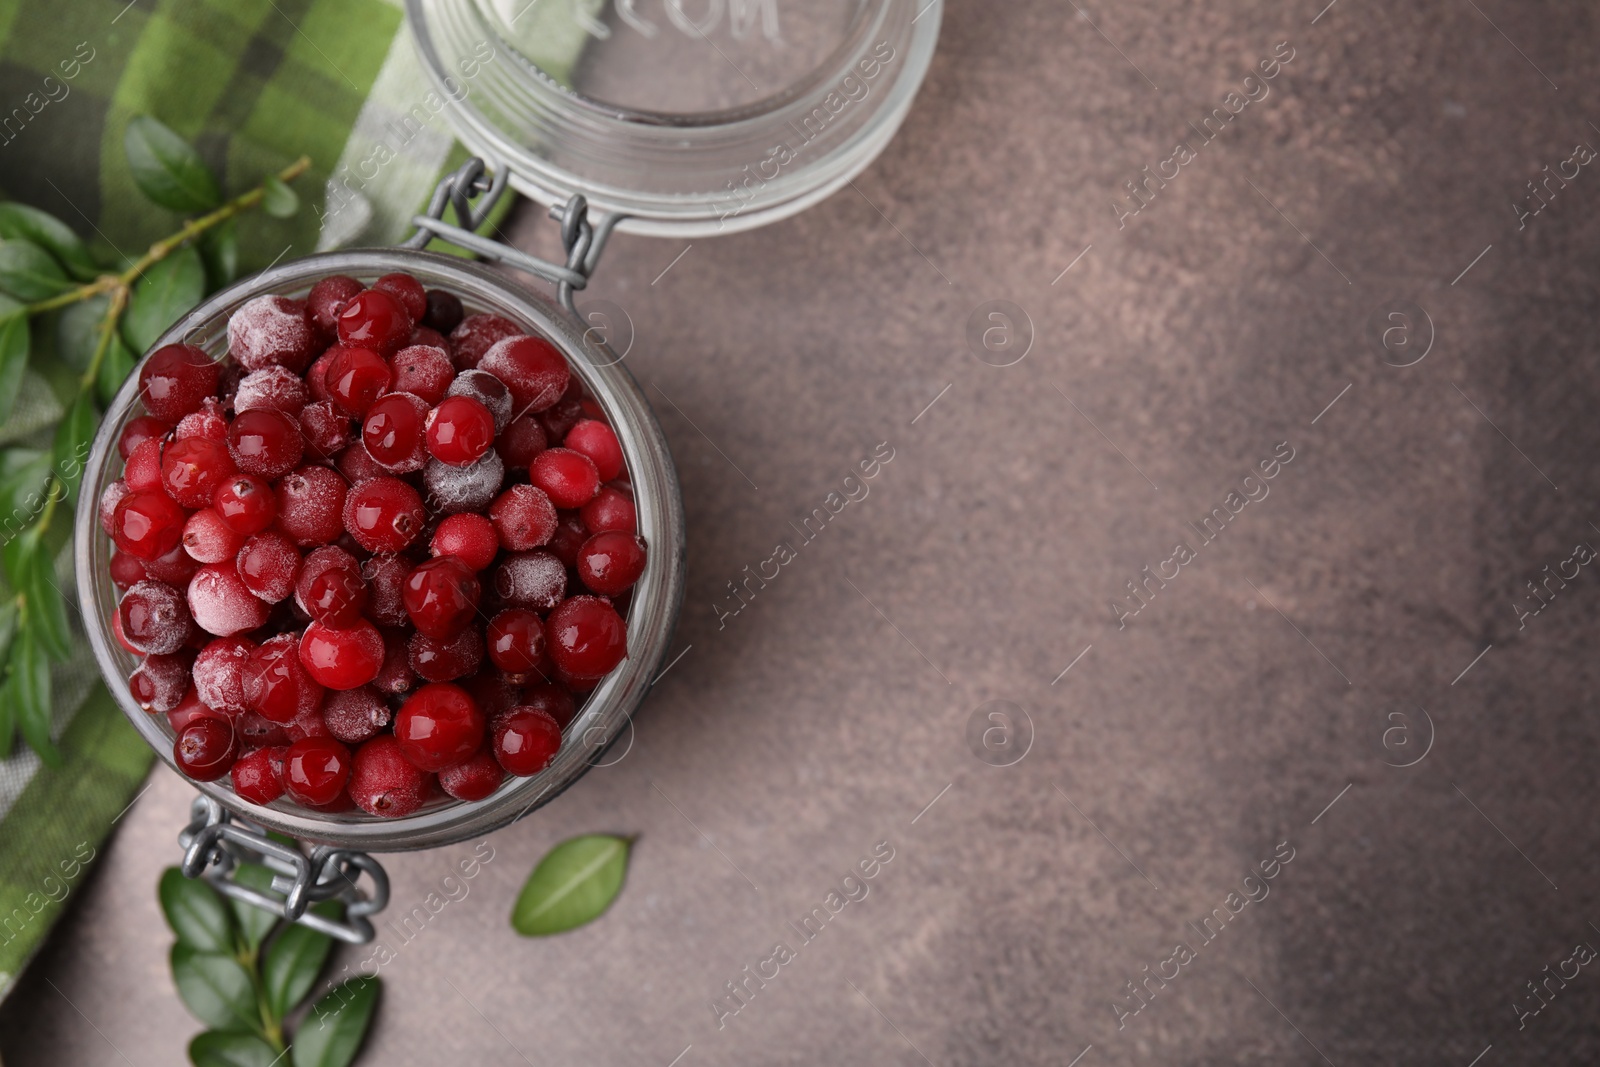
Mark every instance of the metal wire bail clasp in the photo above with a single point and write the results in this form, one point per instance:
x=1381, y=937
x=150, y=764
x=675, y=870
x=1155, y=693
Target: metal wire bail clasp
x=215, y=844
x=584, y=238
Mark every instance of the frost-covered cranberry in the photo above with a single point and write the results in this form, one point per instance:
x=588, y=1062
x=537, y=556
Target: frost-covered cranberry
x=272, y=388
x=599, y=442
x=375, y=320
x=586, y=636
x=396, y=675
x=611, y=509
x=526, y=741
x=535, y=580
x=443, y=312
x=358, y=466
x=192, y=469
x=268, y=565
x=221, y=603
x=355, y=715
x=219, y=673
x=383, y=782
x=469, y=537
x=385, y=575
x=487, y=390
x=147, y=524
x=554, y=700
x=160, y=681
x=460, y=430
x=569, y=478
x=325, y=428
x=308, y=725
x=356, y=377
x=453, y=490
x=516, y=640
x=342, y=659
x=329, y=587
x=272, y=331
x=474, y=778
x=384, y=514
x=140, y=429
x=143, y=469
x=439, y=725
x=560, y=417
x=523, y=518
x=444, y=661
x=328, y=297
x=210, y=422
x=258, y=775
x=110, y=497
x=393, y=432
x=276, y=684
x=406, y=289
x=315, y=770
x=441, y=597
x=423, y=370
x=474, y=336
x=523, y=439
x=311, y=505
x=532, y=369
x=431, y=338
x=244, y=502
x=267, y=443
x=175, y=568
x=209, y=539
x=126, y=570
x=205, y=749
x=175, y=379
x=609, y=563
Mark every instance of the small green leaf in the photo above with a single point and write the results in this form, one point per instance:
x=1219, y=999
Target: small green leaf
x=29, y=685
x=574, y=883
x=195, y=912
x=115, y=366
x=167, y=291
x=278, y=200
x=28, y=272
x=331, y=1035
x=8, y=723
x=254, y=923
x=73, y=438
x=17, y=554
x=219, y=247
x=22, y=480
x=50, y=234
x=47, y=610
x=215, y=988
x=167, y=169
x=294, y=959
x=215, y=1048
x=13, y=359
x=78, y=330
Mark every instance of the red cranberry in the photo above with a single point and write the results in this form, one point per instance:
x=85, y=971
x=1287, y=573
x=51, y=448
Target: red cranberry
x=325, y=428
x=453, y=490
x=523, y=518
x=257, y=732
x=210, y=424
x=570, y=535
x=358, y=466
x=273, y=388
x=272, y=331
x=569, y=478
x=147, y=524
x=208, y=539
x=143, y=469
x=443, y=310
x=611, y=509
x=609, y=563
x=523, y=439
x=219, y=673
x=330, y=588
x=439, y=725
x=553, y=700
x=374, y=319
x=599, y=442
x=393, y=432
x=516, y=640
x=160, y=682
x=311, y=505
x=355, y=715
x=315, y=770
x=356, y=378
x=205, y=749
x=536, y=580
x=429, y=337
x=342, y=659
x=126, y=569
x=276, y=684
x=474, y=778
x=587, y=637
x=175, y=568
x=460, y=430
x=441, y=596
x=175, y=379
x=396, y=675
x=532, y=369
x=268, y=565
x=526, y=741
x=445, y=661
x=561, y=417
x=221, y=603
x=244, y=502
x=487, y=390
x=383, y=782
x=190, y=709
x=385, y=575
x=140, y=429
x=471, y=538
x=327, y=298
x=384, y=514
x=110, y=497
x=474, y=336
x=407, y=290
x=267, y=443
x=307, y=725
x=424, y=371
x=317, y=375
x=258, y=775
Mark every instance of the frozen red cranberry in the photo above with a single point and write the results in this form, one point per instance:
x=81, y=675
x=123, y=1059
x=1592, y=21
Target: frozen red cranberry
x=140, y=429
x=342, y=659
x=315, y=770
x=474, y=778
x=175, y=379
x=219, y=673
x=599, y=442
x=396, y=675
x=210, y=422
x=143, y=469
x=526, y=741
x=357, y=465
x=160, y=682
x=175, y=568
x=453, y=490
x=272, y=331
x=317, y=375
x=147, y=524
x=267, y=443
x=244, y=502
x=393, y=432
x=474, y=336
x=268, y=565
x=535, y=580
x=523, y=518
x=487, y=390
x=258, y=775
x=325, y=429
x=443, y=310
x=328, y=297
x=255, y=731
x=307, y=725
x=221, y=603
x=553, y=700
x=587, y=637
x=384, y=514
x=523, y=439
x=384, y=783
x=209, y=539
x=272, y=388
x=205, y=749
x=110, y=497
x=494, y=693
x=192, y=469
x=406, y=289
x=385, y=575
x=276, y=683
x=569, y=478
x=311, y=505
x=439, y=725
x=126, y=569
x=423, y=370
x=611, y=509
x=375, y=320
x=188, y=710
x=441, y=597
x=329, y=587
x=609, y=563
x=428, y=336
x=355, y=715
x=516, y=640
x=356, y=378
x=531, y=368
x=459, y=431
x=560, y=417
x=470, y=538
x=444, y=661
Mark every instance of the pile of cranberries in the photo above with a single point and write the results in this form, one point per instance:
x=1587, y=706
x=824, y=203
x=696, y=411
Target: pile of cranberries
x=376, y=554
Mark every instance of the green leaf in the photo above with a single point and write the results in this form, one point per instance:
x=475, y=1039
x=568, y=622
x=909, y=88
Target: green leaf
x=195, y=912
x=574, y=883
x=28, y=272
x=279, y=201
x=13, y=359
x=215, y=988
x=78, y=330
x=22, y=479
x=50, y=234
x=8, y=724
x=219, y=247
x=167, y=169
x=215, y=1048
x=331, y=1035
x=47, y=610
x=115, y=366
x=254, y=923
x=18, y=554
x=166, y=292
x=73, y=438
x=29, y=687
x=294, y=960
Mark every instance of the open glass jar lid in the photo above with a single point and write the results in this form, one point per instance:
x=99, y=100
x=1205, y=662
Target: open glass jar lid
x=685, y=122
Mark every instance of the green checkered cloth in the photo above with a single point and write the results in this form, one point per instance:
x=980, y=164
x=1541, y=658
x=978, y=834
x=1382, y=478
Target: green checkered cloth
x=253, y=84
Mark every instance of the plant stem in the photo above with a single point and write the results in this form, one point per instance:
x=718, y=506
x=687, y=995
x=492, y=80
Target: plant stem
x=108, y=330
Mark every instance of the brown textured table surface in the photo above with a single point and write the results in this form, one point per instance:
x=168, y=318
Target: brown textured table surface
x=1241, y=713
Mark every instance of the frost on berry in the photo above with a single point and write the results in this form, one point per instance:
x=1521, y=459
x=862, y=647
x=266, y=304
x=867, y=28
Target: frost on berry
x=153, y=618
x=272, y=331
x=219, y=673
x=536, y=580
x=273, y=388
x=354, y=715
x=456, y=489
x=222, y=604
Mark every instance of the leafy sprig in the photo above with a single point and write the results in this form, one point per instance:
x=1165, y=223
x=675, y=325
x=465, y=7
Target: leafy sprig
x=60, y=307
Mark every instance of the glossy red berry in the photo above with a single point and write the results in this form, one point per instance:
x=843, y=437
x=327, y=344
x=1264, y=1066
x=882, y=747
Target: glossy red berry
x=422, y=370
x=327, y=298
x=475, y=334
x=439, y=725
x=460, y=431
x=143, y=469
x=586, y=636
x=523, y=439
x=516, y=640
x=611, y=509
x=315, y=770
x=330, y=588
x=406, y=289
x=208, y=539
x=531, y=367
x=487, y=390
x=276, y=684
x=610, y=562
x=525, y=741
x=569, y=478
x=375, y=320
x=356, y=378
x=474, y=778
x=384, y=514
x=523, y=518
x=205, y=749
x=174, y=380
x=342, y=659
x=147, y=524
x=434, y=660
x=599, y=442
x=311, y=505
x=193, y=469
x=469, y=537
x=383, y=782
x=258, y=775
x=244, y=502
x=140, y=429
x=393, y=432
x=272, y=331
x=441, y=597
x=266, y=443
x=268, y=565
